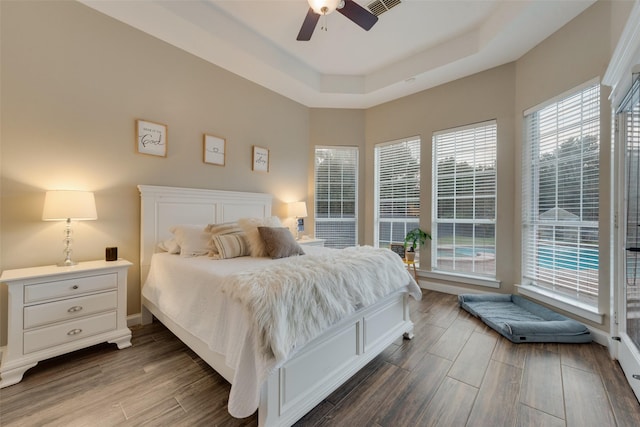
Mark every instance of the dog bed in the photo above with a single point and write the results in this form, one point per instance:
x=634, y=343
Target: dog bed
x=520, y=320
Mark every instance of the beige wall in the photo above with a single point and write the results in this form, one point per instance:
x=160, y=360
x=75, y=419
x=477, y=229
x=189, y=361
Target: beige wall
x=73, y=83
x=338, y=127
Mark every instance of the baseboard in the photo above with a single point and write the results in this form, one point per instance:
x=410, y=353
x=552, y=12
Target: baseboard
x=599, y=336
x=448, y=289
x=134, y=320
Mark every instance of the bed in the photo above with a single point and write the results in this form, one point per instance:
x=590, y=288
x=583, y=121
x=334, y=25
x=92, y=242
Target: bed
x=285, y=387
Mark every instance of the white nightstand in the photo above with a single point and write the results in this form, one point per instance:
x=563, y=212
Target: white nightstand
x=311, y=242
x=54, y=310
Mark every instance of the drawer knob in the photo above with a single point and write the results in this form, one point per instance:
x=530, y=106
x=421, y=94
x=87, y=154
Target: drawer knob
x=75, y=287
x=75, y=309
x=74, y=332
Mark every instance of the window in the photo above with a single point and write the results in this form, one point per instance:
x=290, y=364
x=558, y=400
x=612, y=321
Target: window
x=336, y=172
x=464, y=208
x=560, y=168
x=397, y=190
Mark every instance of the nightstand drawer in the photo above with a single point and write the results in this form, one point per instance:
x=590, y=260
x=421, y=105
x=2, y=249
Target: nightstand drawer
x=42, y=314
x=68, y=331
x=69, y=287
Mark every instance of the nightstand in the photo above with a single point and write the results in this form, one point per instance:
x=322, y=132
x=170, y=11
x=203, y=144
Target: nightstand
x=311, y=242
x=55, y=310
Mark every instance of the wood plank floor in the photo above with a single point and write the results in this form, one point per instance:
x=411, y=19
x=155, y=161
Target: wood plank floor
x=455, y=372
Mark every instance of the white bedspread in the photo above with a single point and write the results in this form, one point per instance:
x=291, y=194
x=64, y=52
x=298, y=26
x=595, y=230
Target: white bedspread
x=190, y=291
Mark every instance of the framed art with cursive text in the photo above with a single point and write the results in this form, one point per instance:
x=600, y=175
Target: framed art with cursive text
x=214, y=149
x=260, y=159
x=151, y=138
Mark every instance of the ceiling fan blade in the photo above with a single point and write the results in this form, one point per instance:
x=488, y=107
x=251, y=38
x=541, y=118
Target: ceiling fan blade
x=358, y=14
x=308, y=26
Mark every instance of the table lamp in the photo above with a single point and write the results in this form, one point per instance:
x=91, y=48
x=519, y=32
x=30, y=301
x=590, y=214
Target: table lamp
x=298, y=210
x=67, y=205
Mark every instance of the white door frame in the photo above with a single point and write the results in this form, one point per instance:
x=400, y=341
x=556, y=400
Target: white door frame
x=625, y=60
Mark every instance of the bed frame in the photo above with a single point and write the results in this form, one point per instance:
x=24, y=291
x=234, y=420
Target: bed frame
x=323, y=364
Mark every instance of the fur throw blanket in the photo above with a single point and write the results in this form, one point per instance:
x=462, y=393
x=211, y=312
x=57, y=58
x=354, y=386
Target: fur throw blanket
x=295, y=301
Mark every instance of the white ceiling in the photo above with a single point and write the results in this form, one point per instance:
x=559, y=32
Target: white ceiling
x=414, y=46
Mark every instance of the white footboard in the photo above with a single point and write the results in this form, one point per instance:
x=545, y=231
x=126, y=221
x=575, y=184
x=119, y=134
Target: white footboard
x=330, y=360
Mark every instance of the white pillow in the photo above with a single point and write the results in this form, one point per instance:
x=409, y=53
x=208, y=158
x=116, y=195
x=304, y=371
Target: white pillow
x=250, y=228
x=193, y=239
x=169, y=245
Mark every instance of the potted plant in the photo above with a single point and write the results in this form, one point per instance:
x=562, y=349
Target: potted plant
x=412, y=240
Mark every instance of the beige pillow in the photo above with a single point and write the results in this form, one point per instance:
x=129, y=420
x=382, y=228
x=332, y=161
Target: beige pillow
x=231, y=245
x=279, y=242
x=220, y=229
x=250, y=228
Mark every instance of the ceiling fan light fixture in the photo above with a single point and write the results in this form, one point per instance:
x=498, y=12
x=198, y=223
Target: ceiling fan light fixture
x=324, y=7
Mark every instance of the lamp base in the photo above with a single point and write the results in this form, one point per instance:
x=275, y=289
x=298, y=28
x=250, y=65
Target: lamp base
x=67, y=246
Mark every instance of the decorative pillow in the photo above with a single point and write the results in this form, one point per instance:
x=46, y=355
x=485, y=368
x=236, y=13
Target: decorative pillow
x=224, y=228
x=220, y=229
x=231, y=245
x=192, y=239
x=279, y=242
x=250, y=228
x=169, y=245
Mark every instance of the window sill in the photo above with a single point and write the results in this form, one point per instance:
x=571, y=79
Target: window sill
x=460, y=278
x=567, y=304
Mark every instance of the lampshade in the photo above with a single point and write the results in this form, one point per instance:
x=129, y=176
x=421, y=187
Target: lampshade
x=298, y=209
x=323, y=7
x=69, y=204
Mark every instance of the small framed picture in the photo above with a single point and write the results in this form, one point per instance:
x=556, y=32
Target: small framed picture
x=151, y=138
x=398, y=248
x=213, y=149
x=260, y=159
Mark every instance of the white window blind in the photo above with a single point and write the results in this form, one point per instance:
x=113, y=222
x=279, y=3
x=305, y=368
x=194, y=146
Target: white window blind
x=397, y=190
x=560, y=168
x=464, y=191
x=336, y=196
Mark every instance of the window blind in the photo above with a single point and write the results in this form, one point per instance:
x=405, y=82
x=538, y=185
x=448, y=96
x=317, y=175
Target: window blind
x=560, y=200
x=464, y=189
x=397, y=190
x=336, y=196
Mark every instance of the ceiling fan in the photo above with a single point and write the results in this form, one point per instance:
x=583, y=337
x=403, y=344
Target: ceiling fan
x=348, y=8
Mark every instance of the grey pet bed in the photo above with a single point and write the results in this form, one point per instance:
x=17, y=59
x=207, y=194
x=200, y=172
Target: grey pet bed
x=520, y=320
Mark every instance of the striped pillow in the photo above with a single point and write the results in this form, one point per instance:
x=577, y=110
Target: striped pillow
x=220, y=229
x=231, y=245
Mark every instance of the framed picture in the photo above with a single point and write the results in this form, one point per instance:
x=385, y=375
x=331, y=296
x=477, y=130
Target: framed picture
x=260, y=159
x=213, y=149
x=151, y=138
x=398, y=248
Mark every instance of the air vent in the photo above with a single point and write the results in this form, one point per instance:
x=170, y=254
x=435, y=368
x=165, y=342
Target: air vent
x=378, y=7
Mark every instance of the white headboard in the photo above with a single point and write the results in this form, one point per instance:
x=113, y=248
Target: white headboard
x=162, y=207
